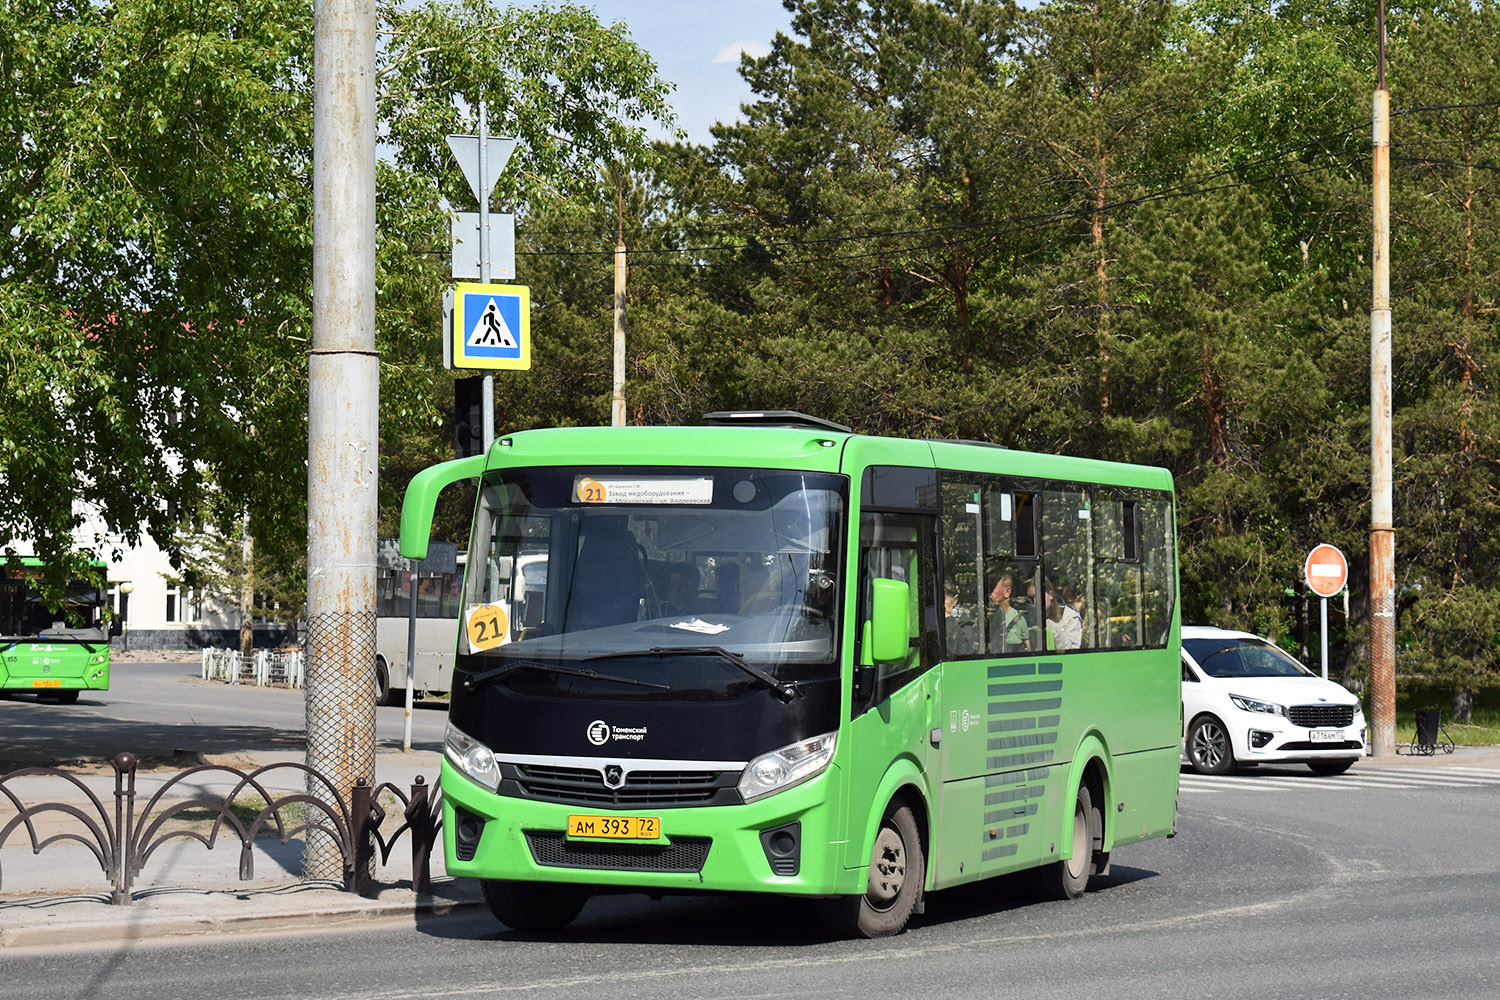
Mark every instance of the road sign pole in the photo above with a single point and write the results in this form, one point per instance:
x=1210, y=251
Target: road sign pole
x=487, y=402
x=1324, y=602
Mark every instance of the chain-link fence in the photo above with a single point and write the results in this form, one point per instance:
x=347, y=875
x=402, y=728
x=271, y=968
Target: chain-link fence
x=340, y=678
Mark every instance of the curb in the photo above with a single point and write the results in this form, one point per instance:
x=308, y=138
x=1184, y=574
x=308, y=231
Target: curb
x=130, y=924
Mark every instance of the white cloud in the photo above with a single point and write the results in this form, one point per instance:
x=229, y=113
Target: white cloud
x=732, y=53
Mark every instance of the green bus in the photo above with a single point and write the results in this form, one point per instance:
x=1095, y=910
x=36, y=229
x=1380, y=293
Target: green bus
x=771, y=655
x=52, y=651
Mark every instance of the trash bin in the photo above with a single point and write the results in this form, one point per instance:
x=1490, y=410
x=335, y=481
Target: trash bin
x=1428, y=724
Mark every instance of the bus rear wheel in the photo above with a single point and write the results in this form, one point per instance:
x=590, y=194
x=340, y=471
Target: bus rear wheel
x=382, y=682
x=898, y=871
x=1068, y=878
x=66, y=697
x=534, y=906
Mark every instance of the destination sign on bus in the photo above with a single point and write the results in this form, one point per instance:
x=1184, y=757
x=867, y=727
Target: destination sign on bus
x=643, y=490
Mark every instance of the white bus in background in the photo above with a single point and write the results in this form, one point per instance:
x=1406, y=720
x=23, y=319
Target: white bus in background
x=439, y=579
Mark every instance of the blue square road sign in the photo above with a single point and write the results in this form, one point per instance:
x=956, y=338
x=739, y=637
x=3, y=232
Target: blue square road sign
x=491, y=326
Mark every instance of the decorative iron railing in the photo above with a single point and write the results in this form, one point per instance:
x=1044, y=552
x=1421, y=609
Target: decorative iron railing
x=123, y=838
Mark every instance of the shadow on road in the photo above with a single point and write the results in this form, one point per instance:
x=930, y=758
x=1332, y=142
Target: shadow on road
x=32, y=738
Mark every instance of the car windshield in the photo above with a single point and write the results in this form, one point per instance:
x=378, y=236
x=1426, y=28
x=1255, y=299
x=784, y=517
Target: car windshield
x=578, y=566
x=1243, y=657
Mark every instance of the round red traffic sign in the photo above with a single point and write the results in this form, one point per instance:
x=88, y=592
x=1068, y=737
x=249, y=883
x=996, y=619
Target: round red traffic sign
x=1326, y=570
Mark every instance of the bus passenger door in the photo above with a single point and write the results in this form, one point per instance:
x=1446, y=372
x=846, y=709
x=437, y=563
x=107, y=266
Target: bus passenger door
x=893, y=703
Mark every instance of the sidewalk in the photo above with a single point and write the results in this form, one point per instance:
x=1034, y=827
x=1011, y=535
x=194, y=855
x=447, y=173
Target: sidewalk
x=62, y=896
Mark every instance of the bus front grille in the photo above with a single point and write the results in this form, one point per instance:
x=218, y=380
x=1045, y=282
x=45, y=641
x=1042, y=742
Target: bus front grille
x=553, y=850
x=1313, y=716
x=642, y=789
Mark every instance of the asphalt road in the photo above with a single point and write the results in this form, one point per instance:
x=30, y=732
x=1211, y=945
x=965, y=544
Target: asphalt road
x=1379, y=883
x=163, y=713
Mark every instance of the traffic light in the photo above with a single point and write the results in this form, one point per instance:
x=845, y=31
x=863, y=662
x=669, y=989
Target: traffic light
x=468, y=416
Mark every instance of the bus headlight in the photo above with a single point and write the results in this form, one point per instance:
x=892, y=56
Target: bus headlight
x=781, y=769
x=471, y=757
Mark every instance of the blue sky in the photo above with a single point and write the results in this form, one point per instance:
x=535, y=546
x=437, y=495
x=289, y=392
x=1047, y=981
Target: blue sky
x=696, y=45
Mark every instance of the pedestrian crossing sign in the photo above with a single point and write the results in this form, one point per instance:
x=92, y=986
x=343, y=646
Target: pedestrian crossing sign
x=491, y=326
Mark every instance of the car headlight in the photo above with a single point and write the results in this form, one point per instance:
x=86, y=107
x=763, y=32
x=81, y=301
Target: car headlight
x=1254, y=705
x=781, y=769
x=471, y=757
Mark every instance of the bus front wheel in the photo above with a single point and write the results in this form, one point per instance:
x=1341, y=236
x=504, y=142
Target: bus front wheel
x=534, y=906
x=898, y=871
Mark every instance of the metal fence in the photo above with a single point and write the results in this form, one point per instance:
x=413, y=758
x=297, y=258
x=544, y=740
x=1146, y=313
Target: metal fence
x=267, y=667
x=123, y=838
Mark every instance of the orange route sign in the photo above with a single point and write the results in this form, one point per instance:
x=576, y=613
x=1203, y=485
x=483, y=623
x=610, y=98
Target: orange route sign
x=1326, y=570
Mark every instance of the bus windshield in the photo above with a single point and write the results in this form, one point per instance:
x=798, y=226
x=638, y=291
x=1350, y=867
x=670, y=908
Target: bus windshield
x=652, y=574
x=23, y=613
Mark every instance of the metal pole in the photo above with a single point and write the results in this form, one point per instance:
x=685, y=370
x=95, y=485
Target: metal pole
x=343, y=416
x=487, y=404
x=1382, y=528
x=617, y=400
x=1324, y=602
x=411, y=652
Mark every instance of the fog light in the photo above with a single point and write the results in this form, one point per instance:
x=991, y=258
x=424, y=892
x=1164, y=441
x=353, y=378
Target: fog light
x=783, y=847
x=467, y=829
x=1259, y=738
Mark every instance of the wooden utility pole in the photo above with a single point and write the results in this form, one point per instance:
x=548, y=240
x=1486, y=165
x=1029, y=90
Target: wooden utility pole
x=617, y=399
x=1382, y=527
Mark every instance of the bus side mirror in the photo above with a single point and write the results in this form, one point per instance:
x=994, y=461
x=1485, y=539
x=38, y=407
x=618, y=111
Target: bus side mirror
x=421, y=499
x=889, y=609
x=116, y=627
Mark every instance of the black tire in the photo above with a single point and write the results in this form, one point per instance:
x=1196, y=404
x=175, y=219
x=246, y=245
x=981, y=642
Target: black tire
x=66, y=697
x=1329, y=767
x=382, y=682
x=898, y=871
x=534, y=906
x=1208, y=746
x=1069, y=878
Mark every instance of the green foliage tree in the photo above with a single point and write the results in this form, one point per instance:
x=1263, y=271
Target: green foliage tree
x=155, y=198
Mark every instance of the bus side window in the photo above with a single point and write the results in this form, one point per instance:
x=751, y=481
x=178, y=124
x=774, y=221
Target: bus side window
x=1068, y=567
x=1159, y=569
x=1117, y=572
x=899, y=547
x=964, y=594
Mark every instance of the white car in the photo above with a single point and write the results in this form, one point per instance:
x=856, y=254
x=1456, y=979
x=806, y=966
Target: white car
x=1245, y=701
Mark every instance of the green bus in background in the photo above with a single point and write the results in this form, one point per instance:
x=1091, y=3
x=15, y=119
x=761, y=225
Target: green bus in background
x=768, y=654
x=53, y=652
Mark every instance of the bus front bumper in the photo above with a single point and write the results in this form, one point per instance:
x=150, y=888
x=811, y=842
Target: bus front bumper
x=710, y=848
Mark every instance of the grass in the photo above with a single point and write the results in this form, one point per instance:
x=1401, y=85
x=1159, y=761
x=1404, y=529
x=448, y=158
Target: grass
x=1413, y=693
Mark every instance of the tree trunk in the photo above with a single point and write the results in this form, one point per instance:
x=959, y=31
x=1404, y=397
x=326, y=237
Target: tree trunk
x=1463, y=704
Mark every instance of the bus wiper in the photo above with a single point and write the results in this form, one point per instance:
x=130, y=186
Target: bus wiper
x=785, y=690
x=474, y=680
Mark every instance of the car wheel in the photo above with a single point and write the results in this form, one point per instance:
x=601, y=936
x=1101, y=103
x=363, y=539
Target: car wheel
x=1329, y=766
x=1209, y=748
x=897, y=873
x=534, y=906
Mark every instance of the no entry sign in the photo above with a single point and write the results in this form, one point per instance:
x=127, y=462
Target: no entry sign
x=1326, y=570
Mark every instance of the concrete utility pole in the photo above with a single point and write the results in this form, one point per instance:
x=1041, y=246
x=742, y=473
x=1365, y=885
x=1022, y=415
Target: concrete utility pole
x=1382, y=527
x=343, y=414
